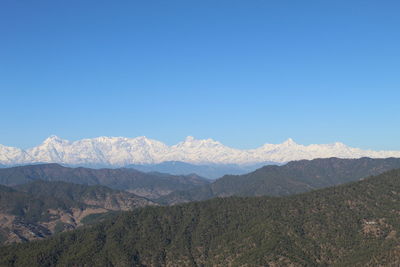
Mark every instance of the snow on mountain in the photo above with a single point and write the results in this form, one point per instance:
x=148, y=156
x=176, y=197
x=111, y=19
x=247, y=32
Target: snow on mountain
x=121, y=151
x=12, y=155
x=205, y=151
x=117, y=151
x=51, y=150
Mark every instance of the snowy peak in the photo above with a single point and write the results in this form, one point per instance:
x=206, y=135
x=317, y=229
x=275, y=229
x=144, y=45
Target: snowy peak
x=12, y=155
x=122, y=151
x=289, y=142
x=54, y=139
x=190, y=141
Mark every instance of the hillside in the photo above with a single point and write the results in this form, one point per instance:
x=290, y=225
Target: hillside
x=39, y=209
x=150, y=185
x=356, y=224
x=293, y=178
x=96, y=195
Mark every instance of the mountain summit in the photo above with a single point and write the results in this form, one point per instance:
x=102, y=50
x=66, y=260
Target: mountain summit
x=122, y=151
x=289, y=142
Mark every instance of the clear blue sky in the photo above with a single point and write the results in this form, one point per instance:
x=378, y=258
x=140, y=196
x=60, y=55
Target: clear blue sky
x=241, y=72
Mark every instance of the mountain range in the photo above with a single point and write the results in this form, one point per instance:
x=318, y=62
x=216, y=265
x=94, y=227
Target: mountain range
x=151, y=185
x=356, y=224
x=211, y=171
x=256, y=219
x=292, y=178
x=121, y=151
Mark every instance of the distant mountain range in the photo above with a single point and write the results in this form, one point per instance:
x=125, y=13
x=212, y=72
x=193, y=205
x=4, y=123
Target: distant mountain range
x=121, y=151
x=271, y=180
x=151, y=185
x=211, y=171
x=292, y=178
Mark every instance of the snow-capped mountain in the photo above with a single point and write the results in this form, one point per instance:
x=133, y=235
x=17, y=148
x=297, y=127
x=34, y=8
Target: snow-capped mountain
x=12, y=155
x=121, y=151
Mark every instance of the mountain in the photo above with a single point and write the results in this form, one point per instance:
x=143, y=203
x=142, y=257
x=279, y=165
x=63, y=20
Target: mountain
x=39, y=209
x=292, y=178
x=356, y=224
x=143, y=184
x=121, y=151
x=211, y=171
x=12, y=155
x=96, y=195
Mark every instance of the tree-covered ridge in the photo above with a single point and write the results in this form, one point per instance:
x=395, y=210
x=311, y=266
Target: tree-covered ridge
x=293, y=178
x=38, y=209
x=29, y=207
x=356, y=224
x=143, y=184
x=96, y=195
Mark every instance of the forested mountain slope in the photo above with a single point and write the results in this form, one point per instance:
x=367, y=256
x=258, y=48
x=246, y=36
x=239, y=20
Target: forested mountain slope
x=39, y=209
x=143, y=184
x=356, y=224
x=292, y=178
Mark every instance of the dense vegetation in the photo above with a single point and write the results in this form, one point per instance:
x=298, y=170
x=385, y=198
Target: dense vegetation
x=293, y=178
x=144, y=184
x=29, y=207
x=78, y=193
x=356, y=224
x=38, y=209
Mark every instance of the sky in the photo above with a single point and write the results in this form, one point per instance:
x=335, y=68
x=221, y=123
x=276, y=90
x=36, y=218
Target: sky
x=244, y=72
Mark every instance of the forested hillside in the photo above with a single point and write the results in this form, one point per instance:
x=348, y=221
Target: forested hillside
x=293, y=178
x=356, y=224
x=150, y=185
x=39, y=209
